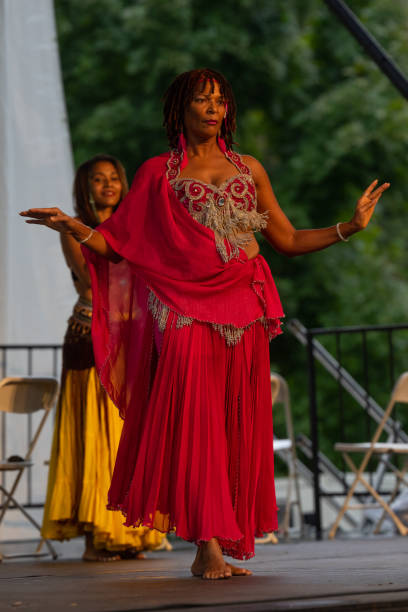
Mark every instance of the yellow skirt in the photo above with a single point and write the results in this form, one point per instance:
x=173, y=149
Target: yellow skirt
x=86, y=437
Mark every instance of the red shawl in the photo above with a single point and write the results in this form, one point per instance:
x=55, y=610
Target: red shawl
x=169, y=256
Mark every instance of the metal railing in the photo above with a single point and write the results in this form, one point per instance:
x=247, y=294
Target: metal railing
x=45, y=360
x=360, y=392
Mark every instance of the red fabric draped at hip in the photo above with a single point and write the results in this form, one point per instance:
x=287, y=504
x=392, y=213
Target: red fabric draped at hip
x=199, y=458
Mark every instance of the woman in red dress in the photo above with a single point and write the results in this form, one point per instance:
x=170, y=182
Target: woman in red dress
x=182, y=346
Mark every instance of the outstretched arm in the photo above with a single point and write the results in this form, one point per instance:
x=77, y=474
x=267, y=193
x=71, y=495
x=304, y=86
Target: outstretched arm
x=289, y=241
x=55, y=219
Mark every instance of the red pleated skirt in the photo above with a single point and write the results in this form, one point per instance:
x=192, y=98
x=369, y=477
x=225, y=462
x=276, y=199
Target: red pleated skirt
x=199, y=459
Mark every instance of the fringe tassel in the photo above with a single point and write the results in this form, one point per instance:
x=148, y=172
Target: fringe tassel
x=231, y=334
x=229, y=220
x=160, y=313
x=231, y=224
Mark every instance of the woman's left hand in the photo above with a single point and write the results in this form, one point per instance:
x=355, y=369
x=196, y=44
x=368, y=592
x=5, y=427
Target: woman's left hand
x=366, y=205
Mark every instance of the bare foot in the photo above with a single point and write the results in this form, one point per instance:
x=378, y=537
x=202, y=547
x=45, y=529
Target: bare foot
x=238, y=571
x=209, y=562
x=132, y=554
x=100, y=555
x=94, y=554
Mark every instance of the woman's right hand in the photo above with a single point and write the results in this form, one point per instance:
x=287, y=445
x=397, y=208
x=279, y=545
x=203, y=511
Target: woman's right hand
x=53, y=218
x=57, y=220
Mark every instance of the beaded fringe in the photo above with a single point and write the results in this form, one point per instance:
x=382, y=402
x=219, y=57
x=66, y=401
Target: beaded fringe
x=231, y=224
x=160, y=313
x=231, y=334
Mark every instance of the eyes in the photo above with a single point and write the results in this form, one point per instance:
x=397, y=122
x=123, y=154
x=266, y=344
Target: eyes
x=203, y=99
x=103, y=179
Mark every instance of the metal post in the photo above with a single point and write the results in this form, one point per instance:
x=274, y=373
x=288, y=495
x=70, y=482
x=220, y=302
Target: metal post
x=369, y=44
x=314, y=434
x=30, y=431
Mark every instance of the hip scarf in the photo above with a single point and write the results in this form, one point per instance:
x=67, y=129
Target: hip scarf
x=77, y=350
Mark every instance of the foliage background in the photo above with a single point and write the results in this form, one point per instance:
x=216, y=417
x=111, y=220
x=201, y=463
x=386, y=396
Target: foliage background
x=312, y=107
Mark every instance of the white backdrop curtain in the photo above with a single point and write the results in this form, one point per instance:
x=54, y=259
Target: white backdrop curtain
x=36, y=294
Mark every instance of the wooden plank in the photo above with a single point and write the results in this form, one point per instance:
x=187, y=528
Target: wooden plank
x=296, y=576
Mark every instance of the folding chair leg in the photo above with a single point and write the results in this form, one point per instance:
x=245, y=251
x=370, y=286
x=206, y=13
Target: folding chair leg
x=287, y=507
x=400, y=478
x=401, y=527
x=39, y=546
x=9, y=494
x=343, y=509
x=165, y=545
x=29, y=518
x=298, y=503
x=50, y=548
x=269, y=538
x=379, y=523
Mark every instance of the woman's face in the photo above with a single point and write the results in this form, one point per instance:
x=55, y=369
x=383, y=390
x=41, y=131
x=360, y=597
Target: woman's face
x=105, y=185
x=204, y=116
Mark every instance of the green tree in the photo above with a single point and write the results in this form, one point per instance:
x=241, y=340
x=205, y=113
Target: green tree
x=313, y=108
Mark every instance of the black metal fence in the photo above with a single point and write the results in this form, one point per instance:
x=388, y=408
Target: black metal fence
x=365, y=362
x=362, y=364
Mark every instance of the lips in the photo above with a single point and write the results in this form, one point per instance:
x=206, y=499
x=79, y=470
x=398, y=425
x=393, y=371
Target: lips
x=211, y=122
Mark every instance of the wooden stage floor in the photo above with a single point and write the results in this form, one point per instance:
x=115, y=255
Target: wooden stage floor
x=358, y=575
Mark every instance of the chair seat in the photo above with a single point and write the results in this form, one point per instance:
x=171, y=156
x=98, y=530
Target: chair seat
x=379, y=447
x=284, y=444
x=8, y=466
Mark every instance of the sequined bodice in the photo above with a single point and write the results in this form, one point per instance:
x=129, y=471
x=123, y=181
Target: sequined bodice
x=240, y=188
x=228, y=209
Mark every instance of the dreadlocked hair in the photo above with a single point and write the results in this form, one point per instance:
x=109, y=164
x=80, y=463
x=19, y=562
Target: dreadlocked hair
x=180, y=94
x=86, y=210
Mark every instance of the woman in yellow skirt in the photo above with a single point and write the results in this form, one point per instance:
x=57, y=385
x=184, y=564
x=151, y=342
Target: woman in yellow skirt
x=87, y=425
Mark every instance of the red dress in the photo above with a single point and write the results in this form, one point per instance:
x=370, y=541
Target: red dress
x=196, y=453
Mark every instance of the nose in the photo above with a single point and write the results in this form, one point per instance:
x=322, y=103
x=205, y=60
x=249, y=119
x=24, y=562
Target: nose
x=210, y=107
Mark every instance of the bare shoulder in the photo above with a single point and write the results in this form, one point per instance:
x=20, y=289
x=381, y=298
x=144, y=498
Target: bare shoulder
x=258, y=171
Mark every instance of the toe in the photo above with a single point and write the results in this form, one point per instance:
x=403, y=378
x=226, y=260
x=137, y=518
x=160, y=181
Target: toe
x=216, y=574
x=239, y=571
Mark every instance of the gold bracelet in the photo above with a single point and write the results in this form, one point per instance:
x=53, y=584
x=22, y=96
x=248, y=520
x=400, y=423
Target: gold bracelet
x=340, y=235
x=91, y=233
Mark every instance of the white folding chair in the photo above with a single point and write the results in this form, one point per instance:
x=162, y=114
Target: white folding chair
x=286, y=448
x=25, y=396
x=385, y=450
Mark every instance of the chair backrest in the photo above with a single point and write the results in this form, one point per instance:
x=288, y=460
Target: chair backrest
x=280, y=394
x=28, y=394
x=399, y=394
x=400, y=391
